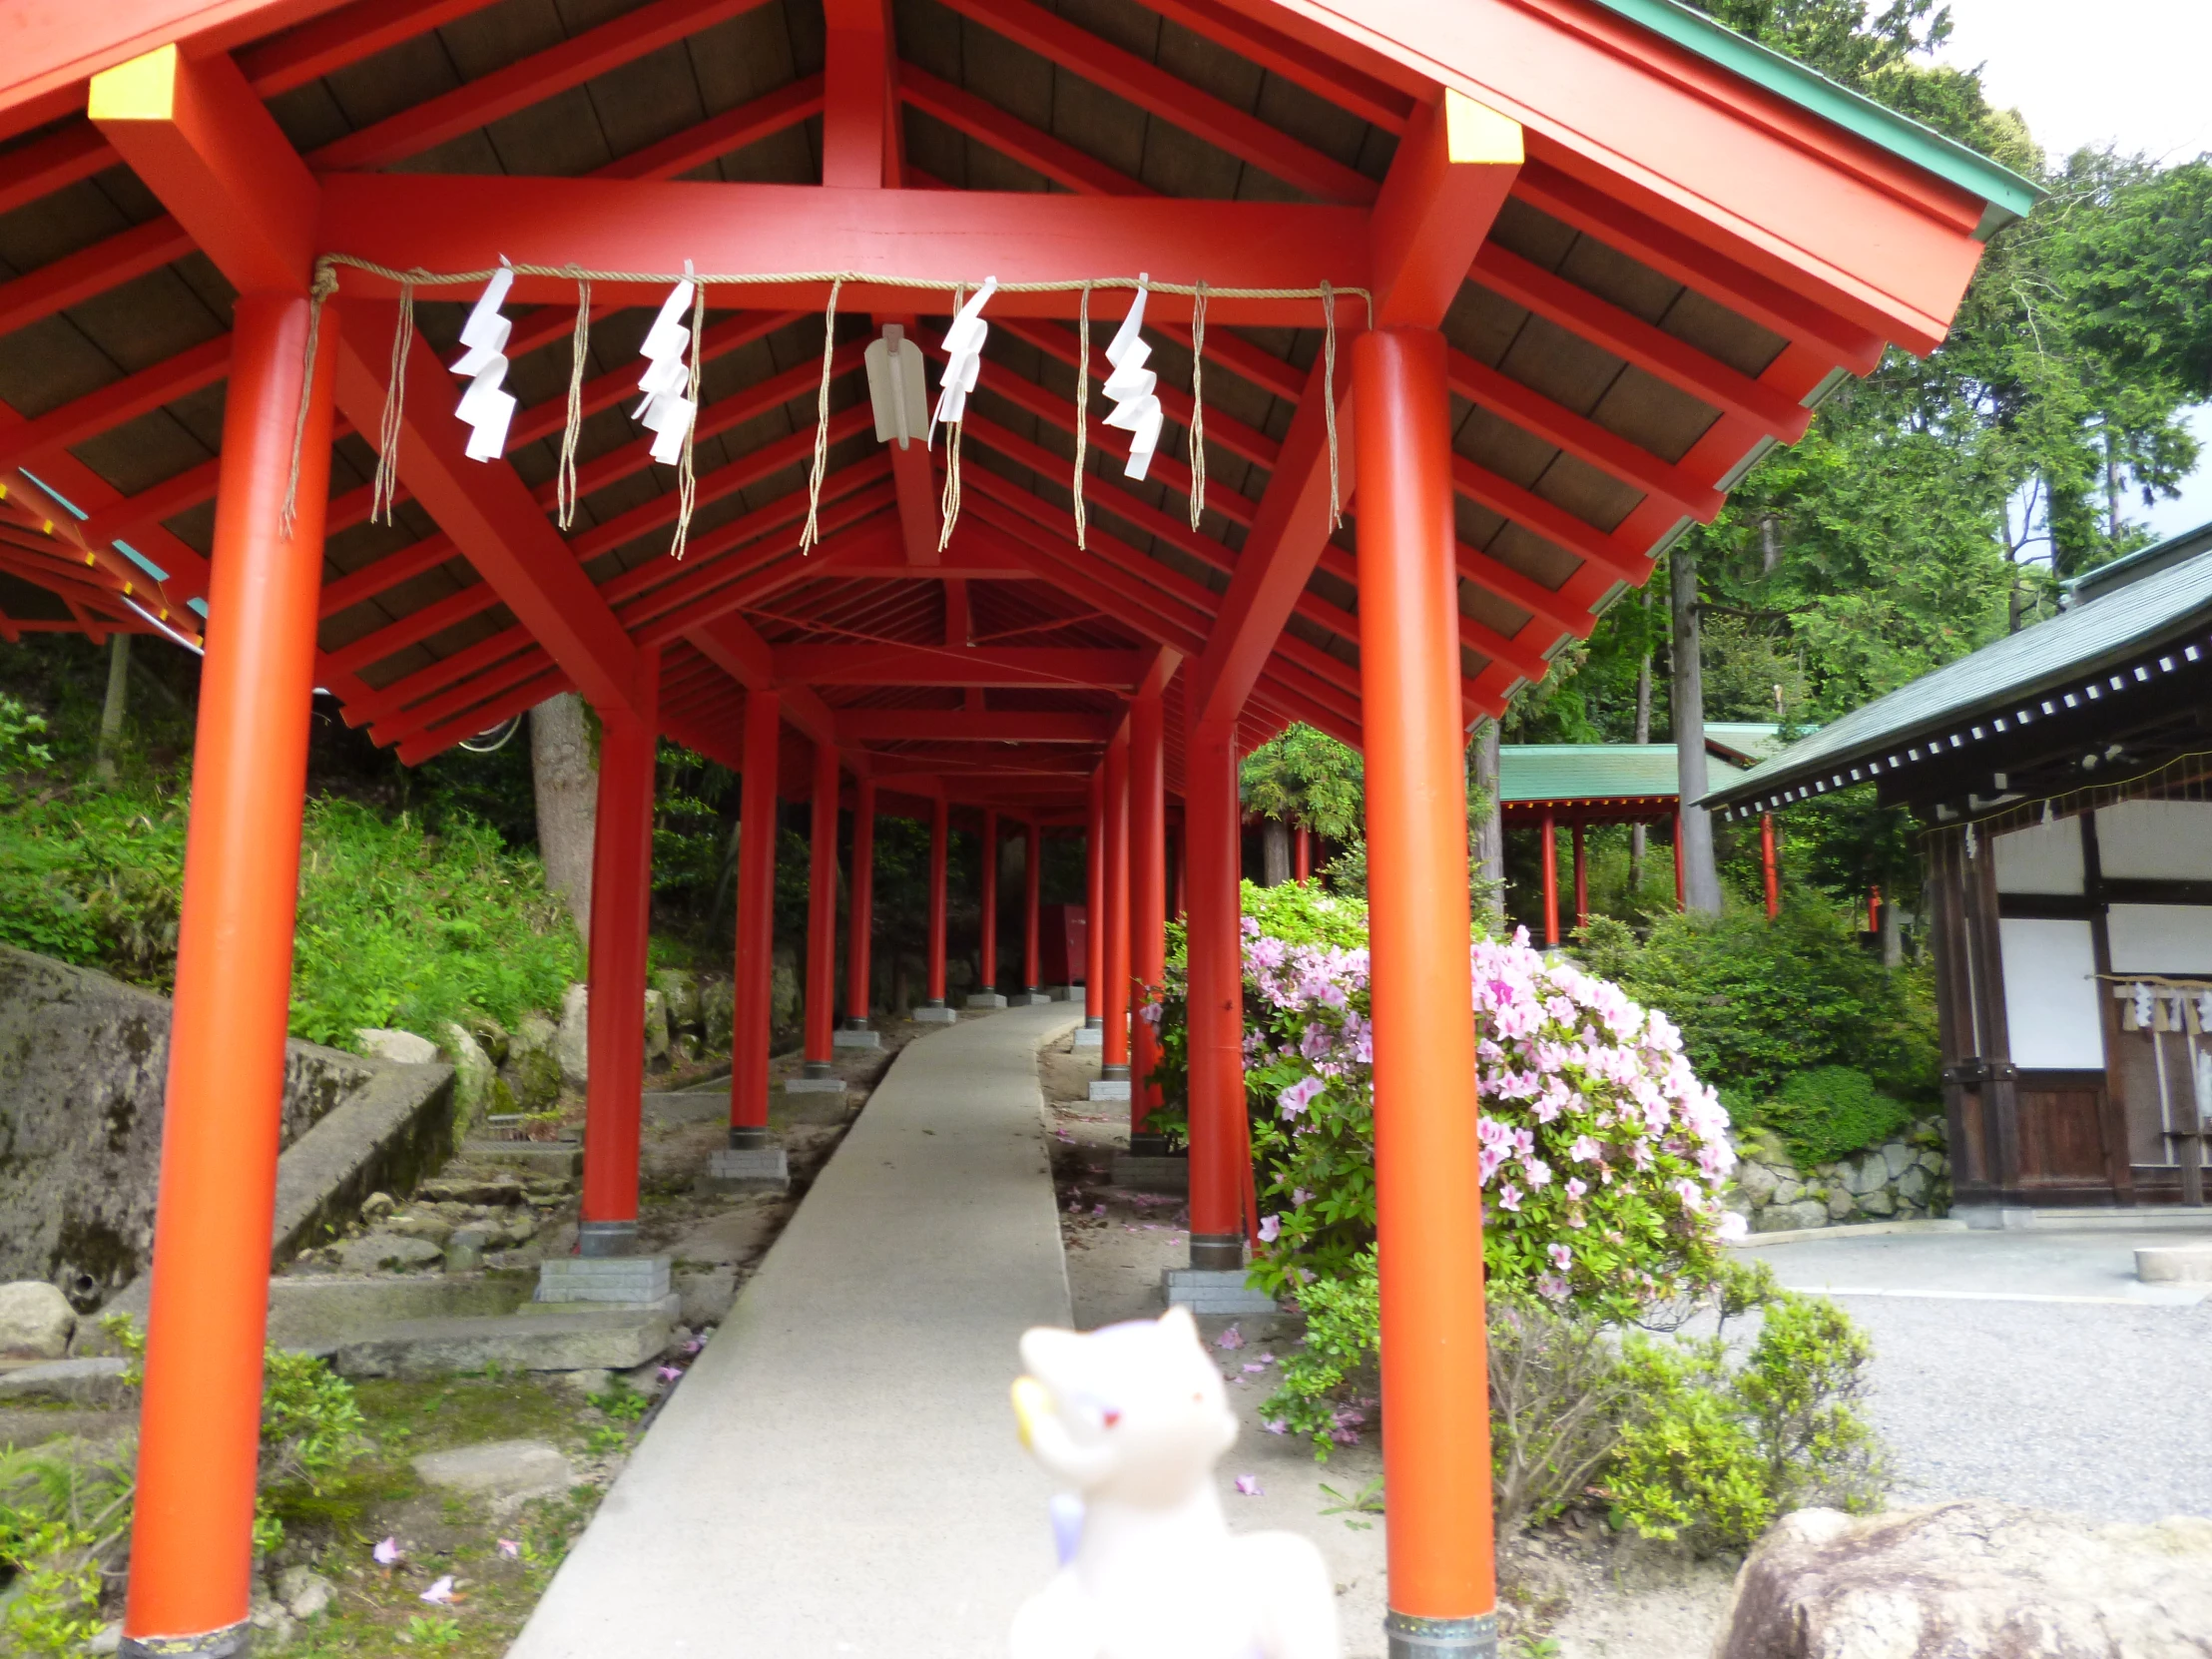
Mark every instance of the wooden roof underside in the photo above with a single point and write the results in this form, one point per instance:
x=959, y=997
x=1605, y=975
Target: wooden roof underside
x=1609, y=375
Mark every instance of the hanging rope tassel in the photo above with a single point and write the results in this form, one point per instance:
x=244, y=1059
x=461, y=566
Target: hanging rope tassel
x=1198, y=405
x=1082, y=405
x=1328, y=399
x=811, y=534
x=687, y=477
x=579, y=345
x=383, y=491
x=325, y=285
x=948, y=504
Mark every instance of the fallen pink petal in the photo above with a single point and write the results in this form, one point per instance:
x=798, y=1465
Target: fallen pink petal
x=510, y=1547
x=670, y=1373
x=441, y=1592
x=1231, y=1339
x=1275, y=1425
x=386, y=1552
x=1249, y=1484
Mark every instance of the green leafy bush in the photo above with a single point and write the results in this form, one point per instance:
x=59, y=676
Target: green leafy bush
x=1759, y=1002
x=1831, y=1112
x=396, y=926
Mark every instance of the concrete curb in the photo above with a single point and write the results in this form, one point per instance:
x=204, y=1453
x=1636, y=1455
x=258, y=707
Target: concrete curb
x=1858, y=1230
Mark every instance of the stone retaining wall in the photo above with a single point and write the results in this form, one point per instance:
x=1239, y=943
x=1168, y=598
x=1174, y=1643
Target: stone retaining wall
x=1907, y=1179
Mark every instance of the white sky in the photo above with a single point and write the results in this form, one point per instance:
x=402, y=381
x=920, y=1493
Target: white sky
x=2126, y=72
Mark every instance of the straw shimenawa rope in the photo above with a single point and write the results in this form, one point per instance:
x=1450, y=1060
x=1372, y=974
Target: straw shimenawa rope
x=579, y=350
x=325, y=285
x=1082, y=408
x=1328, y=399
x=386, y=489
x=687, y=477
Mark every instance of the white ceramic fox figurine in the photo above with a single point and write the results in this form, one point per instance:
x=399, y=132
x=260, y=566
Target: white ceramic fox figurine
x=1132, y=1419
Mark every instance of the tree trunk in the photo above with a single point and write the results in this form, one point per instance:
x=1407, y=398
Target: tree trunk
x=112, y=711
x=1638, y=834
x=1700, y=882
x=1275, y=853
x=1892, y=935
x=565, y=770
x=1489, y=829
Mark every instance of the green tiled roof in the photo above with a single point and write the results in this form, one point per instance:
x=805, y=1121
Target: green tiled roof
x=1537, y=772
x=2120, y=624
x=2007, y=194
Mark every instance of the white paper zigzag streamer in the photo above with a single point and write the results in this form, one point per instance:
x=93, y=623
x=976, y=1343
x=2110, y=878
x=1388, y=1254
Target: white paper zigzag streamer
x=484, y=409
x=1129, y=385
x=963, y=348
x=666, y=412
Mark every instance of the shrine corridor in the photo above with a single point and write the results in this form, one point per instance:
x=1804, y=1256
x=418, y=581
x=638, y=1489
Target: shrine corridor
x=838, y=1473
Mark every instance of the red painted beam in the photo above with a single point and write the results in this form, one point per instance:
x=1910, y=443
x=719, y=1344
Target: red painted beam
x=111, y=405
x=1040, y=151
x=48, y=49
x=721, y=134
x=75, y=277
x=731, y=643
x=454, y=222
x=529, y=81
x=1618, y=556
x=484, y=717
x=343, y=37
x=1177, y=102
x=1322, y=70
x=387, y=573
x=857, y=726
x=60, y=159
x=923, y=664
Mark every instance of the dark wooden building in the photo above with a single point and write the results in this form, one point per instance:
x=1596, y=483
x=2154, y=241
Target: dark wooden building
x=2065, y=777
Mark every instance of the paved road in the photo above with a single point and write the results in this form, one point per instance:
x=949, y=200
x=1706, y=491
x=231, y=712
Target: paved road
x=2029, y=1367
x=839, y=1473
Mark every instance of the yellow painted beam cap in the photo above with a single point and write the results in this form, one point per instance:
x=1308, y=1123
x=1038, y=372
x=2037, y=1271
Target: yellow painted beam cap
x=145, y=89
x=1477, y=133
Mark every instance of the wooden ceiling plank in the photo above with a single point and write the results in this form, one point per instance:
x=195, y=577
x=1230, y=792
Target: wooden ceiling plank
x=108, y=263
x=114, y=405
x=721, y=134
x=343, y=37
x=521, y=701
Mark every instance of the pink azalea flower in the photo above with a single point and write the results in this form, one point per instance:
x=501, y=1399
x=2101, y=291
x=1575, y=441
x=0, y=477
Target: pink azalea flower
x=1508, y=1197
x=1561, y=1256
x=1249, y=1484
x=1575, y=1187
x=1271, y=1229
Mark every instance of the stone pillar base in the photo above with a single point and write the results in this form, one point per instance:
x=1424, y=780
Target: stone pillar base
x=1138, y=1172
x=1033, y=998
x=626, y=1279
x=814, y=1085
x=1090, y=1038
x=985, y=999
x=934, y=1013
x=1064, y=993
x=229, y=1643
x=756, y=1169
x=1110, y=1088
x=856, y=1037
x=1215, y=1291
x=1416, y=1638
x=815, y=1070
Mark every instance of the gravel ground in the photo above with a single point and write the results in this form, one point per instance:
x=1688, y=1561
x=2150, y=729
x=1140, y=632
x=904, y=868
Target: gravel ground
x=2093, y=1409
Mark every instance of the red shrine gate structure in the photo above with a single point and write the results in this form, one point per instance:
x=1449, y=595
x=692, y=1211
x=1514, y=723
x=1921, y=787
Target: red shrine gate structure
x=1586, y=260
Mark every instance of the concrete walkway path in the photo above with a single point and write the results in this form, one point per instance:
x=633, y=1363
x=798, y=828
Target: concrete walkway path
x=838, y=1473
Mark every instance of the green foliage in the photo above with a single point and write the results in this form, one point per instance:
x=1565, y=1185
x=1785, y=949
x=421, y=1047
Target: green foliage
x=1305, y=777
x=1758, y=1001
x=20, y=731
x=1831, y=1112
x=396, y=926
x=1681, y=1438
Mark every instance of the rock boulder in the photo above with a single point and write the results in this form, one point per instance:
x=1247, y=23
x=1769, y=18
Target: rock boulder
x=1971, y=1578
x=36, y=1321
x=402, y=1048
x=572, y=1046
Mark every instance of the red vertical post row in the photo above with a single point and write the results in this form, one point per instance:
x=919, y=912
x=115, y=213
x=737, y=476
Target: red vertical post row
x=191, y=1548
x=860, y=906
x=989, y=892
x=1769, y=869
x=753, y=1011
x=1302, y=854
x=1181, y=864
x=1218, y=1129
x=1032, y=924
x=621, y=923
x=1094, y=905
x=1581, y=882
x=1115, y=1055
x=1148, y=896
x=1428, y=1198
x=941, y=833
x=1550, y=864
x=822, y=916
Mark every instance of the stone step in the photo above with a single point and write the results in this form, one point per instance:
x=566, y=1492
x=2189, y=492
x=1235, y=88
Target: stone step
x=560, y=1158
x=688, y=1106
x=547, y=1337
x=1136, y=1173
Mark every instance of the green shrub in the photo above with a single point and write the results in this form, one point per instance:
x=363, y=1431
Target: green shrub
x=1759, y=1002
x=1831, y=1112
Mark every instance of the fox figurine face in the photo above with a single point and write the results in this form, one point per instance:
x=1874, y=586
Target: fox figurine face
x=1133, y=1413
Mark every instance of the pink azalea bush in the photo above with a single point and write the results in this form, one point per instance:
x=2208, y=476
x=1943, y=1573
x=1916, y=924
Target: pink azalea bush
x=1603, y=1158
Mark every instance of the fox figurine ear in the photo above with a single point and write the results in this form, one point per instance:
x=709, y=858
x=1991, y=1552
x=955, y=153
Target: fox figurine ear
x=1178, y=1319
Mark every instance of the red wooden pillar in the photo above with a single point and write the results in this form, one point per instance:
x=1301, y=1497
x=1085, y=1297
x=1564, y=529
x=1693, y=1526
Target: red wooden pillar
x=191, y=1548
x=822, y=916
x=1773, y=874
x=860, y=906
x=1874, y=910
x=1032, y=926
x=1581, y=882
x=1114, y=1058
x=1148, y=893
x=1302, y=854
x=754, y=1012
x=1094, y=904
x=621, y=920
x=1550, y=864
x=1219, y=1130
x=940, y=831
x=1428, y=1200
x=1681, y=900
x=1181, y=864
x=991, y=905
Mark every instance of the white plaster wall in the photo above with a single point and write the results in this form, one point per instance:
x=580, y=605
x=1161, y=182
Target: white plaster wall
x=2159, y=840
x=2045, y=858
x=2161, y=939
x=2050, y=998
